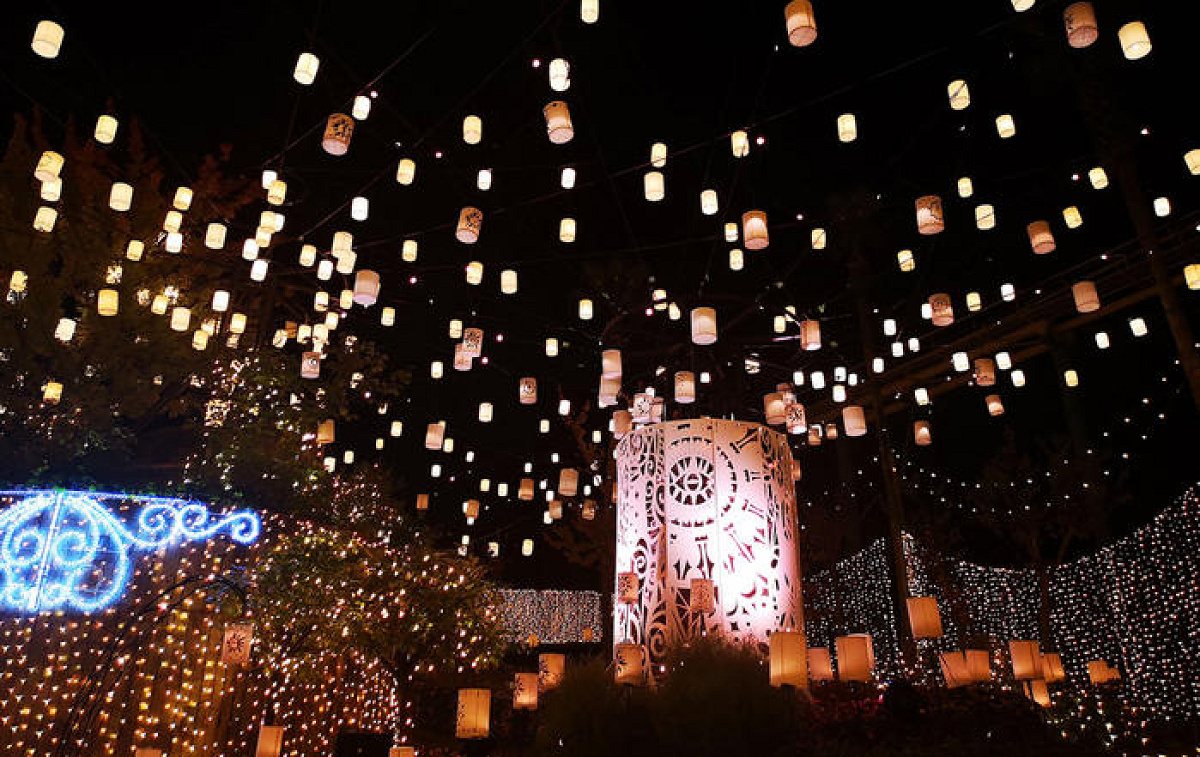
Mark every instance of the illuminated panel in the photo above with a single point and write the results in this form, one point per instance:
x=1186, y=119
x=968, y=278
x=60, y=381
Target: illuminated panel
x=63, y=550
x=707, y=499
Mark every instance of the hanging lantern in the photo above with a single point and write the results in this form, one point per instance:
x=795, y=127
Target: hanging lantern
x=702, y=597
x=985, y=217
x=472, y=130
x=658, y=155
x=1052, y=668
x=65, y=330
x=270, y=741
x=120, y=198
x=810, y=334
x=941, y=309
x=1080, y=22
x=1087, y=299
x=1005, y=126
x=45, y=219
x=560, y=75
x=801, y=23
x=1040, y=238
x=306, y=69
x=775, y=408
x=789, y=659
x=965, y=187
x=558, y=122
x=462, y=361
x=527, y=547
x=930, y=219
x=1135, y=40
x=338, y=130
x=820, y=667
x=704, y=325
x=985, y=371
x=326, y=432
x=629, y=664
x=1026, y=660
x=609, y=389
x=653, y=186
x=906, y=260
x=106, y=130
x=1191, y=275
x=685, y=387
x=959, y=93
x=52, y=190
x=47, y=39
x=754, y=230
x=622, y=423
x=568, y=482
x=435, y=434
x=402, y=751
x=551, y=347
x=736, y=260
x=525, y=691
x=923, y=618
x=310, y=365
x=795, y=419
x=258, y=271
x=361, y=107
x=922, y=433
x=1137, y=327
x=708, y=202
x=739, y=143
x=471, y=508
x=470, y=222
x=610, y=364
x=585, y=309
x=525, y=490
x=49, y=167
x=847, y=127
x=628, y=588
x=527, y=391
x=387, y=316
x=854, y=420
x=107, y=301
x=485, y=412
x=974, y=302
x=855, y=657
x=181, y=319
x=566, y=230
x=474, y=714
x=52, y=393
x=406, y=171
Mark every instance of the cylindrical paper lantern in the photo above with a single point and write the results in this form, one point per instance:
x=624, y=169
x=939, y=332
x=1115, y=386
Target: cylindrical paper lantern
x=788, y=659
x=995, y=405
x=551, y=670
x=470, y=222
x=1005, y=126
x=629, y=664
x=959, y=94
x=1080, y=22
x=525, y=490
x=472, y=130
x=1026, y=660
x=708, y=202
x=1040, y=238
x=338, y=131
x=855, y=657
x=435, y=433
x=847, y=127
x=854, y=420
x=801, y=23
x=985, y=371
x=49, y=166
x=610, y=364
x=775, y=408
x=306, y=68
x=622, y=423
x=473, y=720
x=923, y=618
x=107, y=302
x=568, y=482
x=941, y=309
x=47, y=39
x=527, y=391
x=810, y=334
x=930, y=218
x=985, y=217
x=525, y=691
x=558, y=122
x=120, y=198
x=106, y=130
x=739, y=143
x=1135, y=40
x=1087, y=299
x=628, y=588
x=754, y=230
x=820, y=666
x=979, y=663
x=406, y=171
x=1052, y=667
x=685, y=387
x=566, y=230
x=654, y=187
x=1191, y=276
x=704, y=325
x=922, y=433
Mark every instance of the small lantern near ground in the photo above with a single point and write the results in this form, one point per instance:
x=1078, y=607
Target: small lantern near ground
x=1026, y=660
x=789, y=659
x=551, y=670
x=923, y=618
x=855, y=657
x=270, y=741
x=525, y=691
x=629, y=664
x=473, y=720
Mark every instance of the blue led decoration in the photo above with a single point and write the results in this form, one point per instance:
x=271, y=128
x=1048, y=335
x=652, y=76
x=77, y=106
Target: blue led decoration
x=64, y=550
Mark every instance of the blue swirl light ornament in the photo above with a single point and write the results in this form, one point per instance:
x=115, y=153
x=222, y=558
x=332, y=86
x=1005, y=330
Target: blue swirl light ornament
x=64, y=550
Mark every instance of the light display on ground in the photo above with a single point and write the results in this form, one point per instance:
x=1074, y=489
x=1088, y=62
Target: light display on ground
x=64, y=550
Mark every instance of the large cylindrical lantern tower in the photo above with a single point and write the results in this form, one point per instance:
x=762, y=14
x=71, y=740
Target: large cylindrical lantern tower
x=707, y=499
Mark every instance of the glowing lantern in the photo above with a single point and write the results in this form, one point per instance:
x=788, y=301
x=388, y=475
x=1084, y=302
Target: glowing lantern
x=906, y=260
x=1192, y=159
x=801, y=23
x=65, y=330
x=847, y=127
x=685, y=387
x=788, y=659
x=955, y=670
x=338, y=130
x=1040, y=238
x=52, y=393
x=45, y=219
x=736, y=260
x=560, y=75
x=402, y=751
x=985, y=371
x=941, y=309
x=1052, y=668
x=855, y=420
x=527, y=547
x=775, y=408
x=810, y=335
x=566, y=230
x=708, y=202
x=1137, y=326
x=120, y=198
x=1080, y=22
x=568, y=178
x=1191, y=275
x=629, y=664
x=474, y=714
x=1005, y=126
x=922, y=433
x=1022, y=5
x=361, y=108
x=923, y=618
x=472, y=130
x=360, y=208
x=820, y=667
x=930, y=219
x=1087, y=299
x=1072, y=218
x=704, y=326
x=107, y=302
x=585, y=310
x=610, y=364
x=525, y=691
x=754, y=230
x=653, y=186
x=485, y=412
x=818, y=238
x=366, y=288
x=1026, y=660
x=1098, y=178
x=628, y=588
x=181, y=319
x=52, y=190
x=855, y=657
x=47, y=39
x=1135, y=40
x=470, y=221
x=551, y=347
x=1162, y=207
x=985, y=217
x=558, y=122
x=739, y=143
x=49, y=167
x=435, y=434
x=974, y=302
x=959, y=93
x=609, y=389
x=658, y=155
x=568, y=482
x=306, y=69
x=965, y=187
x=258, y=271
x=106, y=130
x=326, y=432
x=406, y=171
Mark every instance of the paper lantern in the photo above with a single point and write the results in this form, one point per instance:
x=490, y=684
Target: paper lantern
x=979, y=664
x=985, y=371
x=472, y=130
x=435, y=434
x=527, y=391
x=326, y=432
x=1039, y=693
x=558, y=122
x=1005, y=126
x=754, y=230
x=922, y=433
x=610, y=364
x=653, y=186
x=685, y=387
x=955, y=670
x=527, y=547
x=622, y=423
x=472, y=343
x=1026, y=660
x=485, y=412
x=930, y=219
x=1099, y=672
x=120, y=197
x=1191, y=276
x=801, y=23
x=1162, y=207
x=310, y=363
x=704, y=326
x=1137, y=327
x=525, y=490
x=1052, y=668
x=270, y=741
x=568, y=482
x=736, y=260
x=65, y=330
x=585, y=309
x=49, y=167
x=566, y=230
x=1022, y=5
x=995, y=406
x=965, y=187
x=985, y=217
x=855, y=657
x=552, y=668
x=106, y=130
x=923, y=618
x=47, y=39
x=1040, y=238
x=847, y=127
x=959, y=94
x=739, y=143
x=402, y=751
x=629, y=664
x=107, y=302
x=560, y=75
x=525, y=691
x=708, y=202
x=306, y=68
x=52, y=190
x=471, y=508
x=628, y=588
x=941, y=309
x=462, y=360
x=406, y=171
x=181, y=319
x=1191, y=159
x=854, y=420
x=810, y=335
x=45, y=219
x=703, y=597
x=788, y=659
x=52, y=393
x=817, y=238
x=361, y=107
x=1087, y=299
x=1135, y=40
x=906, y=261
x=258, y=271
x=470, y=222
x=387, y=316
x=551, y=347
x=338, y=131
x=775, y=408
x=820, y=666
x=1080, y=22
x=473, y=720
x=589, y=509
